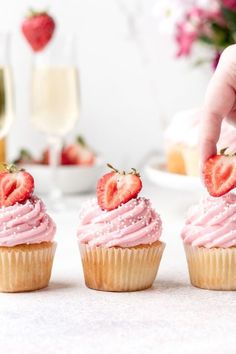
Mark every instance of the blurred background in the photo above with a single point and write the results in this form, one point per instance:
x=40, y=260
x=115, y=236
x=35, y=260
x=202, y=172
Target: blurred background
x=130, y=80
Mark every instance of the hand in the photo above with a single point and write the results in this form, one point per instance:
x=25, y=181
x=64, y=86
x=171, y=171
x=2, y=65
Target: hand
x=220, y=102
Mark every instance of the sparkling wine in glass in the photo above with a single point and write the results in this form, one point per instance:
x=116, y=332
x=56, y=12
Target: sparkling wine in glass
x=55, y=99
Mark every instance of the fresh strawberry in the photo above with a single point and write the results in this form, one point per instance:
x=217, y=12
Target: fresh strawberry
x=15, y=186
x=64, y=160
x=38, y=29
x=45, y=158
x=220, y=174
x=79, y=153
x=25, y=157
x=116, y=188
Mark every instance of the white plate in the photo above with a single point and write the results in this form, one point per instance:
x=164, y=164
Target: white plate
x=156, y=172
x=71, y=179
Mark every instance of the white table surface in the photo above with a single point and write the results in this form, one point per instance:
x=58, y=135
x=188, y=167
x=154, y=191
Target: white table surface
x=172, y=317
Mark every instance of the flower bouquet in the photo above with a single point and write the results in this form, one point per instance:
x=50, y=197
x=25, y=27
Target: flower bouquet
x=211, y=22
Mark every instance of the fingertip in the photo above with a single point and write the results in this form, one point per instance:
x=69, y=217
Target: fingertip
x=207, y=150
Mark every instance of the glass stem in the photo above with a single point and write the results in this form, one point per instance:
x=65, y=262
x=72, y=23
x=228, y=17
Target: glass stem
x=55, y=146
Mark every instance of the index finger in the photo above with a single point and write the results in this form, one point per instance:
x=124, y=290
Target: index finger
x=209, y=134
x=219, y=101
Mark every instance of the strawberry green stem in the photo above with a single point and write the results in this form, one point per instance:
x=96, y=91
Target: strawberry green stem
x=32, y=13
x=222, y=151
x=81, y=140
x=11, y=168
x=113, y=168
x=133, y=171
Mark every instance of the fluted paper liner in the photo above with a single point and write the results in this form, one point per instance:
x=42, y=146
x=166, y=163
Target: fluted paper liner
x=213, y=269
x=121, y=269
x=26, y=267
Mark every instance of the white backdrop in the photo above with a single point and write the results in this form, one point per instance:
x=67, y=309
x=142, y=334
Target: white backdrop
x=130, y=80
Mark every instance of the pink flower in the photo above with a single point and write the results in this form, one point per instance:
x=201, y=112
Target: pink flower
x=185, y=38
x=230, y=4
x=187, y=30
x=196, y=23
x=199, y=16
x=196, y=15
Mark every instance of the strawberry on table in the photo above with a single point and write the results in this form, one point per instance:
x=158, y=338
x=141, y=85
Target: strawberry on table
x=220, y=174
x=116, y=188
x=16, y=186
x=38, y=29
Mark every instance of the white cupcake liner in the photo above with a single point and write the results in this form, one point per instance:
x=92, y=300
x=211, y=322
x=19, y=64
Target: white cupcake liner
x=213, y=268
x=26, y=268
x=121, y=269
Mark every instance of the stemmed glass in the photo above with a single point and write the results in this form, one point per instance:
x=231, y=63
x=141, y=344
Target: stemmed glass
x=55, y=100
x=6, y=88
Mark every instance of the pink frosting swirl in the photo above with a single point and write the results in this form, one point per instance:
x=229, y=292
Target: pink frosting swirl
x=131, y=224
x=25, y=224
x=212, y=223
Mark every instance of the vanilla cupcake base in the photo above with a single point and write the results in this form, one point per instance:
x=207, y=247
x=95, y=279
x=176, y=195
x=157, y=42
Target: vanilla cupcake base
x=213, y=269
x=121, y=269
x=26, y=267
x=175, y=159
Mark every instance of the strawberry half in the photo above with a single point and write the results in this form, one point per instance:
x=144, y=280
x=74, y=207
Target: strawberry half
x=220, y=174
x=38, y=29
x=15, y=186
x=116, y=188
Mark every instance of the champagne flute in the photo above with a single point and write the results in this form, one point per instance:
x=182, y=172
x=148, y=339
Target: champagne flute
x=55, y=99
x=6, y=88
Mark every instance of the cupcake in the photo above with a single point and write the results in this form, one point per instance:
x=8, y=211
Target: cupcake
x=26, y=234
x=181, y=142
x=118, y=236
x=209, y=237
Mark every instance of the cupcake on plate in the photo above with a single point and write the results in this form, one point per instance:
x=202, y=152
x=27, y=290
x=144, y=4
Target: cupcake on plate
x=209, y=237
x=118, y=236
x=26, y=234
x=181, y=142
